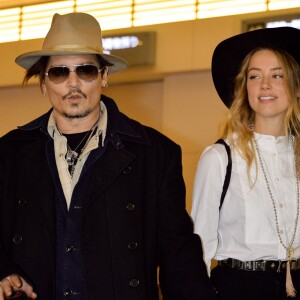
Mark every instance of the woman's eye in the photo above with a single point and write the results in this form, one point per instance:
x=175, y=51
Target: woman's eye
x=278, y=76
x=253, y=76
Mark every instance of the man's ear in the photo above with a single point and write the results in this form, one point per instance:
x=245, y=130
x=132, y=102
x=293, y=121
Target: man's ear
x=105, y=78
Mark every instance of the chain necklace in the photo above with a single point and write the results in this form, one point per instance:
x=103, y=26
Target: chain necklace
x=72, y=156
x=289, y=247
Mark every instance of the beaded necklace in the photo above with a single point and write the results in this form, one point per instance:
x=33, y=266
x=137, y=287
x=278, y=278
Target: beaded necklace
x=291, y=292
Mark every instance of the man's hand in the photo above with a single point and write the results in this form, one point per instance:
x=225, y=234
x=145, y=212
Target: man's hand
x=14, y=283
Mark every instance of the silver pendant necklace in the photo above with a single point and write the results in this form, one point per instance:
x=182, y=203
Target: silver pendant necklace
x=72, y=156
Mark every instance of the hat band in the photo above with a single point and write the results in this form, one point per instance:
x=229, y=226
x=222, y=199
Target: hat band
x=75, y=47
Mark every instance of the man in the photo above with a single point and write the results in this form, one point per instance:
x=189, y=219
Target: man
x=92, y=202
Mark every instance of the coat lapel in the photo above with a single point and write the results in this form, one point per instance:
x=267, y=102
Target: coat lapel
x=106, y=168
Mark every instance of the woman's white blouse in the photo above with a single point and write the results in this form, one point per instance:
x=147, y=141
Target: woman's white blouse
x=245, y=228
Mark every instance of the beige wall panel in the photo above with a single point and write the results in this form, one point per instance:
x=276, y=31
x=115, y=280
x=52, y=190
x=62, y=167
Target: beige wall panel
x=192, y=109
x=140, y=101
x=20, y=105
x=192, y=117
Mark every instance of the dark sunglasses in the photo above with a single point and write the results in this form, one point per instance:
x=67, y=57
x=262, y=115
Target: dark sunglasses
x=85, y=72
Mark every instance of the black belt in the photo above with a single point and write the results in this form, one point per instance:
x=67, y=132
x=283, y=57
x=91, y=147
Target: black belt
x=259, y=265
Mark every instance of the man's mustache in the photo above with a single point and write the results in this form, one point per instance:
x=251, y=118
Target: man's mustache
x=74, y=91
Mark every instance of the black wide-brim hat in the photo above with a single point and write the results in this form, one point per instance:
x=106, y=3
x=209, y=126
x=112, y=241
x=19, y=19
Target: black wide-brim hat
x=229, y=54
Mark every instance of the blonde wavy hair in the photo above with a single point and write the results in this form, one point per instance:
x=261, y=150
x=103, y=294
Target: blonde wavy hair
x=241, y=115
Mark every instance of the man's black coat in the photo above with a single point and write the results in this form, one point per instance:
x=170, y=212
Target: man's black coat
x=133, y=218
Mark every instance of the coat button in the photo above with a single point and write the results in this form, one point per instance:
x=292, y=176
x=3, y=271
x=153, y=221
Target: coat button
x=70, y=248
x=116, y=141
x=127, y=170
x=22, y=201
x=67, y=293
x=134, y=282
x=17, y=239
x=132, y=245
x=130, y=206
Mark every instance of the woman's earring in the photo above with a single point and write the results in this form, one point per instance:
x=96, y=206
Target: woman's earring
x=105, y=85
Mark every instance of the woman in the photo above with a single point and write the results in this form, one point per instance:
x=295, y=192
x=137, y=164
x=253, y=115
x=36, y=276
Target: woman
x=255, y=235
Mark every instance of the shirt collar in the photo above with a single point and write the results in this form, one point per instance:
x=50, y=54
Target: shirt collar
x=101, y=128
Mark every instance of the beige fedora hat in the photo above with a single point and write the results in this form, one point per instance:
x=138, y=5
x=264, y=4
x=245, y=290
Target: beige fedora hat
x=71, y=34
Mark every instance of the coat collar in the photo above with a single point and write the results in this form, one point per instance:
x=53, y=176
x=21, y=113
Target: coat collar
x=119, y=126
